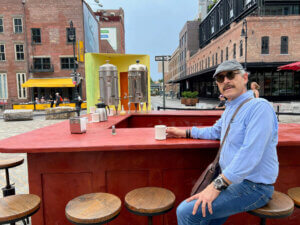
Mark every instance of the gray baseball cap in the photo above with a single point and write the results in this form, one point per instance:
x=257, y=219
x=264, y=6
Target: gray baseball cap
x=229, y=65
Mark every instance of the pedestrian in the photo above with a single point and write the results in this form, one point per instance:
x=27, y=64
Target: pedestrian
x=222, y=102
x=51, y=100
x=248, y=158
x=58, y=99
x=255, y=87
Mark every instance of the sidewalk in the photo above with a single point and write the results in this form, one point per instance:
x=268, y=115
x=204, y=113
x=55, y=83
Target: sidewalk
x=293, y=106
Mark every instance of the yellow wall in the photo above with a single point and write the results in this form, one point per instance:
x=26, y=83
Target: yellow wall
x=121, y=61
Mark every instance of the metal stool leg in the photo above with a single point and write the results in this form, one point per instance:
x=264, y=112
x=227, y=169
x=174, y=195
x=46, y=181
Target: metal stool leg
x=149, y=220
x=9, y=189
x=27, y=220
x=263, y=221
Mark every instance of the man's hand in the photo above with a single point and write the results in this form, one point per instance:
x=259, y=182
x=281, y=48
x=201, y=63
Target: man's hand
x=175, y=132
x=207, y=196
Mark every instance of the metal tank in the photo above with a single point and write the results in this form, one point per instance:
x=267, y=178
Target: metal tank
x=138, y=85
x=108, y=82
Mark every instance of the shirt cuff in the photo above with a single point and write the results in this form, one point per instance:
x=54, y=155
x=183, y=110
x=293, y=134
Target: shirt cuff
x=233, y=178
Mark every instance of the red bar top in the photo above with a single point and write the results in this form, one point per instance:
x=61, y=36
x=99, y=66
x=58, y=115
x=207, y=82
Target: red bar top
x=57, y=137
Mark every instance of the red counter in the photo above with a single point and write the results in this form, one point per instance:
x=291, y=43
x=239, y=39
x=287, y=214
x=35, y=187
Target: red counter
x=62, y=165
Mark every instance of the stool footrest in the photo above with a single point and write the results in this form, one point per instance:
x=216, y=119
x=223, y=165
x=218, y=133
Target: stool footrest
x=7, y=191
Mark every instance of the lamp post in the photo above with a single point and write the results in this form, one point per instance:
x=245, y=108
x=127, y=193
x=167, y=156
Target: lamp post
x=75, y=76
x=163, y=58
x=245, y=34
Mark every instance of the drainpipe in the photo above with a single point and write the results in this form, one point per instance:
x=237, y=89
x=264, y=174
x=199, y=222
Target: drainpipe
x=26, y=46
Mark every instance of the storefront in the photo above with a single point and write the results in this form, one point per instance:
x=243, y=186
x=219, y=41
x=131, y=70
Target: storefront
x=274, y=85
x=46, y=87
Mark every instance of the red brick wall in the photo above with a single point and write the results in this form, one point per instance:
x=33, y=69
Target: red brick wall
x=53, y=19
x=9, y=9
x=115, y=20
x=274, y=27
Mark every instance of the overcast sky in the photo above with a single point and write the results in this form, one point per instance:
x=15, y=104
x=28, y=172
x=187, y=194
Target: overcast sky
x=152, y=26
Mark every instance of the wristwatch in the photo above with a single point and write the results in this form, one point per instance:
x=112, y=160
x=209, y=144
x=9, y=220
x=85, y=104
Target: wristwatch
x=220, y=184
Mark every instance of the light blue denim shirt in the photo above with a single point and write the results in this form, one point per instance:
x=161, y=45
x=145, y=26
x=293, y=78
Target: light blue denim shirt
x=249, y=151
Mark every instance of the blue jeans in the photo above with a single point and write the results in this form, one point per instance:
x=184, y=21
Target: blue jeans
x=236, y=198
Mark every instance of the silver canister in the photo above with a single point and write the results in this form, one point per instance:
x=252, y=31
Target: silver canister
x=77, y=125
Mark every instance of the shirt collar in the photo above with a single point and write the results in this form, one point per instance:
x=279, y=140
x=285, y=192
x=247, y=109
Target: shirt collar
x=240, y=99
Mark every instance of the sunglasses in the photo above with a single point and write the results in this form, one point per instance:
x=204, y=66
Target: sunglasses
x=230, y=76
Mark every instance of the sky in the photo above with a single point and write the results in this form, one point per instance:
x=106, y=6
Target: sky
x=152, y=26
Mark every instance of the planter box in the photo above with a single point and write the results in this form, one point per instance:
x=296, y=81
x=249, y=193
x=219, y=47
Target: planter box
x=183, y=100
x=191, y=101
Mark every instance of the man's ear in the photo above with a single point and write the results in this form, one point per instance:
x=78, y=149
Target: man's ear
x=246, y=78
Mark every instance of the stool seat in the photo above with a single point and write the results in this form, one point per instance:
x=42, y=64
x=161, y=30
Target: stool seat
x=94, y=208
x=11, y=162
x=17, y=207
x=149, y=200
x=278, y=207
x=294, y=194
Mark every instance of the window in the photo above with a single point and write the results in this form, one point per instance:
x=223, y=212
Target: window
x=265, y=45
x=21, y=78
x=226, y=53
x=241, y=48
x=208, y=62
x=68, y=34
x=284, y=49
x=19, y=52
x=1, y=25
x=212, y=60
x=36, y=36
x=3, y=86
x=216, y=58
x=41, y=63
x=18, y=26
x=234, y=50
x=221, y=56
x=2, y=52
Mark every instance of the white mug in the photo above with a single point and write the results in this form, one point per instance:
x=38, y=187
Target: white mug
x=95, y=117
x=160, y=132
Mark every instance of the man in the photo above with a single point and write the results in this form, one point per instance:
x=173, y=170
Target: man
x=248, y=158
x=58, y=99
x=221, y=103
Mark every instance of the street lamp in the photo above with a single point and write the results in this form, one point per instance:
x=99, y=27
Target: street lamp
x=75, y=76
x=245, y=34
x=163, y=58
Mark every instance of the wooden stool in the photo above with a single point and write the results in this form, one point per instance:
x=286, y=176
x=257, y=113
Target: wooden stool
x=9, y=189
x=149, y=201
x=294, y=194
x=279, y=206
x=94, y=208
x=18, y=207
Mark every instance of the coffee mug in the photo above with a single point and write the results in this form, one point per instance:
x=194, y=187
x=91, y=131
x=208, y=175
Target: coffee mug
x=160, y=132
x=95, y=117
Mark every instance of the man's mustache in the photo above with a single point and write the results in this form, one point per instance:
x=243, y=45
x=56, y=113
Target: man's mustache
x=227, y=86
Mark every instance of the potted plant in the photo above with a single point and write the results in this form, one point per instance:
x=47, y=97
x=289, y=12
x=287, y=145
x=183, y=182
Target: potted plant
x=192, y=98
x=183, y=97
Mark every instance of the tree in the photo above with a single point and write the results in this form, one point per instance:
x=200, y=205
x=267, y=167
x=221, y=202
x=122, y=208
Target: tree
x=151, y=81
x=209, y=7
x=160, y=80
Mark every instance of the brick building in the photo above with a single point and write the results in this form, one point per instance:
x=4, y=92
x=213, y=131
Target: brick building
x=273, y=34
x=173, y=73
x=112, y=30
x=35, y=46
x=188, y=42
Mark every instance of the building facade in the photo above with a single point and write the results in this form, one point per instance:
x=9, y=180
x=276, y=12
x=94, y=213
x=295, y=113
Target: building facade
x=36, y=45
x=112, y=30
x=272, y=40
x=173, y=74
x=188, y=43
